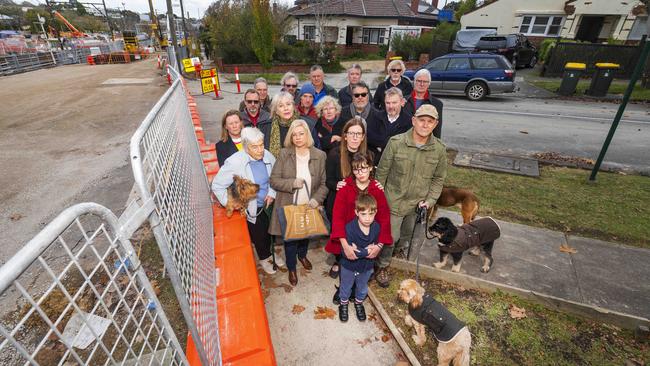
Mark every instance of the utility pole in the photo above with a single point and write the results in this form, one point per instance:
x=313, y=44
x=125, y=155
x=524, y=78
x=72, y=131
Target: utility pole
x=172, y=30
x=184, y=27
x=108, y=20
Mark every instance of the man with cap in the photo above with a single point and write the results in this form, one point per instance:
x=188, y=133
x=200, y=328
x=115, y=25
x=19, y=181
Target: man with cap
x=412, y=170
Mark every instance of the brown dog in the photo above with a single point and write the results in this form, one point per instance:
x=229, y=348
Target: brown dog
x=454, y=339
x=240, y=192
x=464, y=198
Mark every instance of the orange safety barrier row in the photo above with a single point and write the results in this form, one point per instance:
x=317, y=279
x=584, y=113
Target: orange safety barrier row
x=244, y=332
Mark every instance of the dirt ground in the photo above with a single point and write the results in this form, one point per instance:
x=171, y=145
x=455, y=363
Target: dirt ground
x=65, y=139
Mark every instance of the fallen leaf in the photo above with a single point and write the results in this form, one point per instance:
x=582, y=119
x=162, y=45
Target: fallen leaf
x=524, y=132
x=156, y=287
x=516, y=312
x=16, y=217
x=364, y=342
x=297, y=309
x=323, y=312
x=325, y=274
x=385, y=338
x=565, y=248
x=372, y=316
x=303, y=272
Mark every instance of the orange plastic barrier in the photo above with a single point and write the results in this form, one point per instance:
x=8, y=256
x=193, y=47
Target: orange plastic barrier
x=243, y=325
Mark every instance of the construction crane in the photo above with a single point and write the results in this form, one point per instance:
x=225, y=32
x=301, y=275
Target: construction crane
x=155, y=26
x=73, y=31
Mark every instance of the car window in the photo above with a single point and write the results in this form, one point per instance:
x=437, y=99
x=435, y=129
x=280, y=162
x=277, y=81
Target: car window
x=461, y=63
x=512, y=42
x=438, y=65
x=485, y=63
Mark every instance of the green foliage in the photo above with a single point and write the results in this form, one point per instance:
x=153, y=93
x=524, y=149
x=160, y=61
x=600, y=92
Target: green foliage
x=228, y=25
x=445, y=30
x=465, y=6
x=409, y=47
x=545, y=48
x=383, y=50
x=262, y=32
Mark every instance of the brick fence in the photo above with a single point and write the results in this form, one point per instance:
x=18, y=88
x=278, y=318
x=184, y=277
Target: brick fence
x=258, y=69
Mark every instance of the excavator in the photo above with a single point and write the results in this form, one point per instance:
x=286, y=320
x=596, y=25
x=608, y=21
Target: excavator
x=74, y=32
x=155, y=26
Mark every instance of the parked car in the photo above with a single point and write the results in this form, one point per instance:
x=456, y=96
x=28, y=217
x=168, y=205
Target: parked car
x=475, y=75
x=515, y=47
x=465, y=40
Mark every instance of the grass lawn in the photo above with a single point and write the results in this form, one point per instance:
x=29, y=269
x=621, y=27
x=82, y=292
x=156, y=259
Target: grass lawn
x=272, y=78
x=542, y=337
x=614, y=209
x=617, y=87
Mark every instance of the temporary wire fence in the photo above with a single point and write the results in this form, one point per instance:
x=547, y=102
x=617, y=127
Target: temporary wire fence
x=77, y=294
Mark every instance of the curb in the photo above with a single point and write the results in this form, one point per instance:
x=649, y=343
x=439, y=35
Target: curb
x=393, y=329
x=576, y=308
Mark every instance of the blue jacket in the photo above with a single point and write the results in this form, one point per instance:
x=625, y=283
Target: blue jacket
x=239, y=164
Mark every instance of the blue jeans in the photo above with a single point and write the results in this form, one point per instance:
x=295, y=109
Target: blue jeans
x=360, y=279
x=293, y=248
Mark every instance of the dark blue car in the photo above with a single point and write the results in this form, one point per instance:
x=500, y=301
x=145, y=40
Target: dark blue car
x=471, y=74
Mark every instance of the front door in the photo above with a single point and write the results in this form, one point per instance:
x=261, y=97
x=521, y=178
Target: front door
x=348, y=35
x=590, y=27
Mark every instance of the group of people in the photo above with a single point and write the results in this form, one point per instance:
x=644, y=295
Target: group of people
x=369, y=161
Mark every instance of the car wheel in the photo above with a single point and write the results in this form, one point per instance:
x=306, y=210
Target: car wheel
x=476, y=90
x=533, y=61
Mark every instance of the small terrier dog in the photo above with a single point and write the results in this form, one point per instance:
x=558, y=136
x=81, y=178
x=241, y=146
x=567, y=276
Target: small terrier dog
x=466, y=199
x=454, y=339
x=453, y=240
x=240, y=192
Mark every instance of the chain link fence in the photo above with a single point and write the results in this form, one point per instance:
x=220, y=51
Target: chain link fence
x=77, y=294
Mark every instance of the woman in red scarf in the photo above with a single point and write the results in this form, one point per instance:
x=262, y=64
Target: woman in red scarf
x=329, y=111
x=420, y=95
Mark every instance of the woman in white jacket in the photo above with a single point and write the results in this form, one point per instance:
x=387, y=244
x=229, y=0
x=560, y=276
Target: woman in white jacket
x=254, y=163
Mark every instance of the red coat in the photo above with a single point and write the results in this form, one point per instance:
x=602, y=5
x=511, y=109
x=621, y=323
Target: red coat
x=344, y=212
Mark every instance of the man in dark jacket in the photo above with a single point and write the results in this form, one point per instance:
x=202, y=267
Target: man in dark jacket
x=395, y=71
x=420, y=96
x=360, y=106
x=253, y=115
x=384, y=124
x=354, y=77
x=317, y=77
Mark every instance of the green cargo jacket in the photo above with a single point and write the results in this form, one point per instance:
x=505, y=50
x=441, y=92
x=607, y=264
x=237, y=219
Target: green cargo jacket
x=410, y=174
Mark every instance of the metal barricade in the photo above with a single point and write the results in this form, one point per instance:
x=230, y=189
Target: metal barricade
x=168, y=168
x=77, y=294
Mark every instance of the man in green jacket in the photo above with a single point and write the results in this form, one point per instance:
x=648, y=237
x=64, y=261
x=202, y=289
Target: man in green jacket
x=412, y=170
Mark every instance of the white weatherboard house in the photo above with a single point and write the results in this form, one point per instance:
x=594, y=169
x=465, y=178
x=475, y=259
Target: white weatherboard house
x=584, y=20
x=359, y=24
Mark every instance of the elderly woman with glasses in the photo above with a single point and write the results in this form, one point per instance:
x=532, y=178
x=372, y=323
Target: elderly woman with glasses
x=395, y=70
x=299, y=172
x=421, y=96
x=254, y=163
x=328, y=111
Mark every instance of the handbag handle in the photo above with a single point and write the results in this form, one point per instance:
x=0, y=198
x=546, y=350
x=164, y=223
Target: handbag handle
x=295, y=194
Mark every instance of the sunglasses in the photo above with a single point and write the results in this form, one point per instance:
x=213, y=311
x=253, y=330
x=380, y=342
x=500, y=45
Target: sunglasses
x=253, y=101
x=290, y=85
x=360, y=95
x=395, y=70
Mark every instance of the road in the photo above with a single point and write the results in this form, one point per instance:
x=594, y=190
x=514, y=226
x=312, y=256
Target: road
x=524, y=126
x=65, y=139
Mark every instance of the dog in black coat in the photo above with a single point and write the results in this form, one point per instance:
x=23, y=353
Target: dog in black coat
x=454, y=240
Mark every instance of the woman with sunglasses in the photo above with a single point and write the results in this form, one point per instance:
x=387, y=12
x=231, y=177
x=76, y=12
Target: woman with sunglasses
x=421, y=96
x=360, y=180
x=395, y=70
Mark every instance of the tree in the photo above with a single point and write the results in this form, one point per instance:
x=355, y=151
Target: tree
x=465, y=6
x=262, y=34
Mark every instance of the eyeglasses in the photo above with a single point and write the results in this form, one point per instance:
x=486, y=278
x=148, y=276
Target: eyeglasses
x=252, y=101
x=395, y=70
x=360, y=95
x=363, y=169
x=354, y=134
x=290, y=85
x=422, y=81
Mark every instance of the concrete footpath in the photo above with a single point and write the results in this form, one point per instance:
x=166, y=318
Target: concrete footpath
x=602, y=274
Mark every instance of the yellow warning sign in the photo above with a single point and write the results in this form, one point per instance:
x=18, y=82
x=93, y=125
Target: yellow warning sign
x=206, y=73
x=187, y=65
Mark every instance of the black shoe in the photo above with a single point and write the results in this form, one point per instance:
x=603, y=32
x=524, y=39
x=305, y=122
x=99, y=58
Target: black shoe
x=360, y=310
x=343, y=312
x=336, y=299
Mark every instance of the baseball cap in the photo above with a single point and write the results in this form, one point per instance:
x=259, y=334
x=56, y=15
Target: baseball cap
x=427, y=110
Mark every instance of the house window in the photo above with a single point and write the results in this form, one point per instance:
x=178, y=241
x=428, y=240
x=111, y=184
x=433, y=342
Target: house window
x=541, y=25
x=309, y=33
x=374, y=35
x=639, y=28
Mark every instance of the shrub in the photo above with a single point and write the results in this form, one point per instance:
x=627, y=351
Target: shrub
x=545, y=48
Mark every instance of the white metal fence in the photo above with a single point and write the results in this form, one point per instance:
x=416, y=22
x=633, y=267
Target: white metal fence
x=77, y=294
x=168, y=170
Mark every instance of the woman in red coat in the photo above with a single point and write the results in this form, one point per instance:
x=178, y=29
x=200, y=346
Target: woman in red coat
x=343, y=212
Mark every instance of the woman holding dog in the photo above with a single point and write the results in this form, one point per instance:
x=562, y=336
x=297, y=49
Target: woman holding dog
x=230, y=143
x=254, y=163
x=299, y=171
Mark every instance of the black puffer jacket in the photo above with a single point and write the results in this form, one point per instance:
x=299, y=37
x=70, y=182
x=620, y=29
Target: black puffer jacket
x=437, y=318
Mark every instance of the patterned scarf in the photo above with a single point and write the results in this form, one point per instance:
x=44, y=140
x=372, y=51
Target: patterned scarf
x=276, y=123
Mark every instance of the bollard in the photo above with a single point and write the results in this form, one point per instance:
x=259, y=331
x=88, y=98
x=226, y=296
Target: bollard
x=169, y=76
x=90, y=60
x=214, y=85
x=159, y=64
x=237, y=80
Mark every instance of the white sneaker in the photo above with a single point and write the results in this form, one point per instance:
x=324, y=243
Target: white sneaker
x=279, y=261
x=267, y=265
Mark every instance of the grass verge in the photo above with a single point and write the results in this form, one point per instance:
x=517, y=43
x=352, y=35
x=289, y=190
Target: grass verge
x=542, y=337
x=613, y=209
x=617, y=87
x=271, y=78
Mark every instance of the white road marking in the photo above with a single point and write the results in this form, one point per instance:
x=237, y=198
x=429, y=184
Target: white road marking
x=543, y=115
